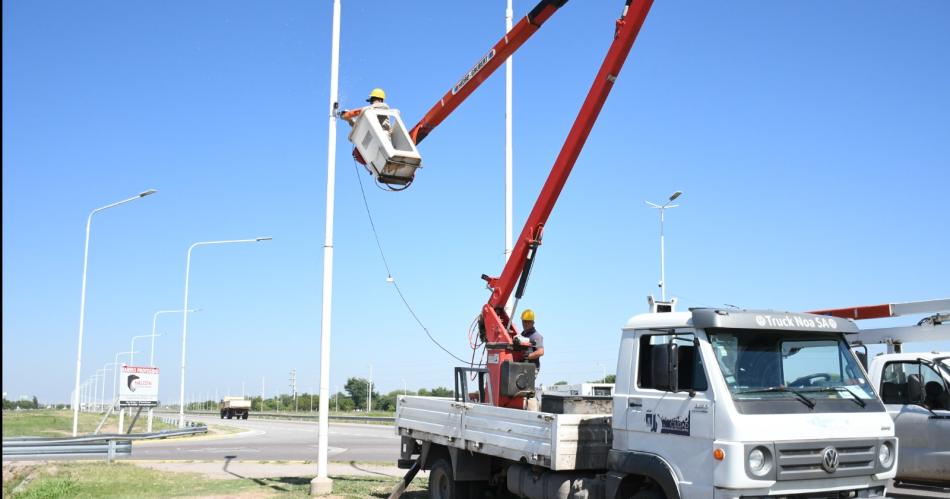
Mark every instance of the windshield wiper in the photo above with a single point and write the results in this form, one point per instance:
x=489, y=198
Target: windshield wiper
x=838, y=389
x=805, y=400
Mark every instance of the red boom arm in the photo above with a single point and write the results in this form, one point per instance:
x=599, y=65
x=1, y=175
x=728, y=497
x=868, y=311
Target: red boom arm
x=485, y=67
x=499, y=332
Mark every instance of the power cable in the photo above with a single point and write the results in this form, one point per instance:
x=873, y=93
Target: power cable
x=389, y=273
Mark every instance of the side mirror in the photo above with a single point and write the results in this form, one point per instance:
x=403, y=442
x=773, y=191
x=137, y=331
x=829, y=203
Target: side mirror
x=664, y=367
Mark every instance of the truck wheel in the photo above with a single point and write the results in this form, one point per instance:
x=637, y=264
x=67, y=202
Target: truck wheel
x=230, y=415
x=442, y=483
x=649, y=493
x=244, y=416
x=222, y=414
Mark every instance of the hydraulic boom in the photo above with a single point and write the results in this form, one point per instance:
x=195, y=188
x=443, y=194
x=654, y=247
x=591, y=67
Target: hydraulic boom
x=510, y=379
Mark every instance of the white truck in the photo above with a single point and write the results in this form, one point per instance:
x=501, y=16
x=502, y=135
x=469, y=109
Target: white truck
x=915, y=389
x=234, y=407
x=707, y=403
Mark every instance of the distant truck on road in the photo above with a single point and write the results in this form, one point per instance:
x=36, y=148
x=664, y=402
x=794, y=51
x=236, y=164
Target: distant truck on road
x=235, y=407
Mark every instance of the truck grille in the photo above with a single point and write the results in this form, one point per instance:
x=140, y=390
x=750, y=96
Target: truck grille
x=804, y=460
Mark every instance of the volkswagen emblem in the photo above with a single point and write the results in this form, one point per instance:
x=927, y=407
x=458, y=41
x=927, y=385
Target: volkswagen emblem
x=829, y=459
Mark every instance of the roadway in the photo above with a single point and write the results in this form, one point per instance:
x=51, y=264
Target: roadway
x=277, y=440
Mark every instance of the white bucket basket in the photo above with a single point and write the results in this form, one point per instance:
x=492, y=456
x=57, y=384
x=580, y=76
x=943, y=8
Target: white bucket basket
x=391, y=158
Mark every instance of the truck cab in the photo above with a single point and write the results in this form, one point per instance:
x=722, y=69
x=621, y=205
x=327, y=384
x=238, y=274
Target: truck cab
x=746, y=403
x=915, y=389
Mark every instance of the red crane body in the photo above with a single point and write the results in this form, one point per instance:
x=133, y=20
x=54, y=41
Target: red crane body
x=498, y=331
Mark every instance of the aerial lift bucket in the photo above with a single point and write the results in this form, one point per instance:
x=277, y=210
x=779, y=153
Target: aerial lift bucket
x=391, y=158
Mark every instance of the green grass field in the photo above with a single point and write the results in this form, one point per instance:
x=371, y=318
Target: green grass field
x=59, y=423
x=123, y=480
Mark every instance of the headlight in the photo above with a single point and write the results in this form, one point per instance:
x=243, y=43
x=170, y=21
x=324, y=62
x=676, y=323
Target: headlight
x=760, y=461
x=885, y=454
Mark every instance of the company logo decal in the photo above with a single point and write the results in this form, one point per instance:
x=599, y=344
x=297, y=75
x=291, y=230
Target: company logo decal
x=829, y=459
x=676, y=426
x=472, y=72
x=795, y=321
x=130, y=381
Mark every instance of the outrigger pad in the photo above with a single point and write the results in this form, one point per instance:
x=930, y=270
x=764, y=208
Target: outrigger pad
x=517, y=379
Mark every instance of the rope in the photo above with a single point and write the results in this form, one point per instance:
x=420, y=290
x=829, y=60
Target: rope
x=389, y=273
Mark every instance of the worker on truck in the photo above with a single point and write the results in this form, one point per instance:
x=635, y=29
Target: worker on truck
x=533, y=338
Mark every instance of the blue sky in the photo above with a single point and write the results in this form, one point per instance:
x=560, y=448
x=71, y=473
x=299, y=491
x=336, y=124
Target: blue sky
x=810, y=139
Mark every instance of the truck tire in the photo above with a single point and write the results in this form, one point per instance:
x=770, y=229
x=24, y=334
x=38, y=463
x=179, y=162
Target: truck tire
x=244, y=416
x=222, y=414
x=230, y=414
x=442, y=483
x=648, y=493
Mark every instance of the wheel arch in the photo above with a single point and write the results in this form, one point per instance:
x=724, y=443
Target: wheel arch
x=630, y=470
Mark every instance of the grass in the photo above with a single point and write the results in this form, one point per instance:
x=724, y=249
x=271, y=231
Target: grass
x=59, y=423
x=122, y=480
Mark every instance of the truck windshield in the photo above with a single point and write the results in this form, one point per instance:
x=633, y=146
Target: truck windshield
x=769, y=365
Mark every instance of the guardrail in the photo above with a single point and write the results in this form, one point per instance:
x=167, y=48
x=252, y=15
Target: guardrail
x=298, y=416
x=107, y=445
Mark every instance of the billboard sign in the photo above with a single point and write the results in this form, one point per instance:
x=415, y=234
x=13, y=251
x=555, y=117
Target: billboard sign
x=138, y=387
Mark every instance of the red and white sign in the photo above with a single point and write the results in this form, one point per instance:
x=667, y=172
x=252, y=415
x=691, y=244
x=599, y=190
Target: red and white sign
x=138, y=387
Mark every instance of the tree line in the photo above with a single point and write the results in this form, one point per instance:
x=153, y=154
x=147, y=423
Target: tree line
x=353, y=397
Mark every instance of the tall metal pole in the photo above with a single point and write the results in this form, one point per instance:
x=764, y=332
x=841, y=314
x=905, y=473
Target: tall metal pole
x=184, y=325
x=369, y=394
x=321, y=484
x=662, y=209
x=662, y=259
x=151, y=355
x=82, y=301
x=509, y=166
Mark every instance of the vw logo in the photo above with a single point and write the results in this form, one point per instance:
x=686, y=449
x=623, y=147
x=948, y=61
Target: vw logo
x=829, y=459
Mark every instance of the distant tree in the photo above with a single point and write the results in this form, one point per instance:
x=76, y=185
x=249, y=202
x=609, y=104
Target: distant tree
x=439, y=391
x=36, y=403
x=357, y=388
x=341, y=400
x=7, y=404
x=561, y=383
x=611, y=378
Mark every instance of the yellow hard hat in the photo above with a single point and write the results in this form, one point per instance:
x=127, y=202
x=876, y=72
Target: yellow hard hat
x=378, y=93
x=527, y=315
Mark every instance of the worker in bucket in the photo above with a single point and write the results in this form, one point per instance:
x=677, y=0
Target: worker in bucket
x=376, y=100
x=531, y=338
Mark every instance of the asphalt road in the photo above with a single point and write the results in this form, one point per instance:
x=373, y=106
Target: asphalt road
x=274, y=440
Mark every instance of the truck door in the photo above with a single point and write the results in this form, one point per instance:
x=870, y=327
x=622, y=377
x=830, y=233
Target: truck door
x=917, y=399
x=679, y=426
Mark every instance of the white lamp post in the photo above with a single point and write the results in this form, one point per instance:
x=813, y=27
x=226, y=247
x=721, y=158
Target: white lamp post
x=82, y=302
x=107, y=367
x=662, y=249
x=184, y=327
x=151, y=358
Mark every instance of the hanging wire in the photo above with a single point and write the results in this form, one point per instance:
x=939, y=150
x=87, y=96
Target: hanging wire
x=389, y=274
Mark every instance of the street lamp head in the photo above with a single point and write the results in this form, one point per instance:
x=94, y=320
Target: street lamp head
x=676, y=195
x=267, y=238
x=147, y=193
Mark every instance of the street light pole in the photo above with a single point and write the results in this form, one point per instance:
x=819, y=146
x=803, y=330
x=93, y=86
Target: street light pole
x=369, y=394
x=105, y=370
x=662, y=248
x=132, y=357
x=82, y=301
x=321, y=484
x=151, y=358
x=184, y=326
